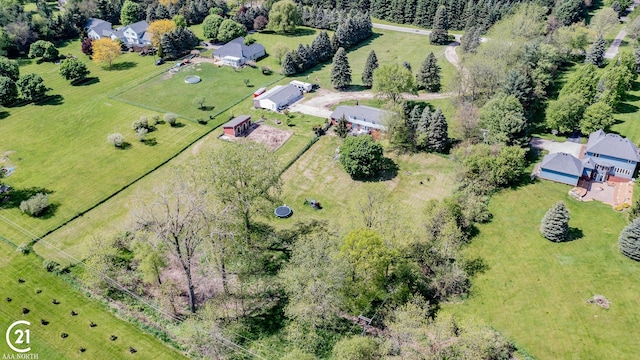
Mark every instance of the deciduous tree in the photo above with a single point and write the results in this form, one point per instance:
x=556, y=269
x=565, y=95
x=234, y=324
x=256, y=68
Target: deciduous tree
x=211, y=25
x=130, y=13
x=555, y=223
x=565, y=113
x=8, y=91
x=361, y=156
x=597, y=116
x=230, y=30
x=390, y=81
x=9, y=68
x=105, y=51
x=284, y=17
x=31, y=87
x=159, y=28
x=503, y=119
x=43, y=49
x=73, y=69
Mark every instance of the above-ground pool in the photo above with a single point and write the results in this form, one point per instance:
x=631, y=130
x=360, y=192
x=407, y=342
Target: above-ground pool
x=192, y=79
x=283, y=211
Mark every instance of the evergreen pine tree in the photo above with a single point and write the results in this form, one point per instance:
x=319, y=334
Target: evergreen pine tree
x=340, y=70
x=439, y=35
x=428, y=77
x=595, y=54
x=321, y=47
x=555, y=223
x=438, y=132
x=636, y=53
x=288, y=65
x=341, y=128
x=369, y=67
x=470, y=39
x=422, y=130
x=629, y=240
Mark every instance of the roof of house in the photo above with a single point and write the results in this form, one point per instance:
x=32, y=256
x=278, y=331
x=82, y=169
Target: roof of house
x=588, y=163
x=360, y=112
x=101, y=27
x=139, y=27
x=612, y=145
x=236, y=121
x=237, y=48
x=280, y=93
x=562, y=163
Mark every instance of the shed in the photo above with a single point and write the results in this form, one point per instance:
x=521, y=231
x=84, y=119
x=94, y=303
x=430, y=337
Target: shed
x=237, y=125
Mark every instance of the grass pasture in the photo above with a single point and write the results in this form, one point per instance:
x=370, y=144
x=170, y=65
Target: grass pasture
x=535, y=291
x=318, y=175
x=46, y=340
x=59, y=145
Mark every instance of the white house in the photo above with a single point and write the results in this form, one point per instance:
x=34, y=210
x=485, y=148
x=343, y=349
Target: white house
x=97, y=29
x=132, y=35
x=278, y=98
x=361, y=119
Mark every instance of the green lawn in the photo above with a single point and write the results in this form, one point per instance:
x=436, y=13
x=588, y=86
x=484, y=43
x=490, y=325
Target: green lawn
x=220, y=86
x=59, y=145
x=535, y=291
x=318, y=175
x=46, y=340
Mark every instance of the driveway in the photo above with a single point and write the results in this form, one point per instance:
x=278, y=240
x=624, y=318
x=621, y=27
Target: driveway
x=555, y=147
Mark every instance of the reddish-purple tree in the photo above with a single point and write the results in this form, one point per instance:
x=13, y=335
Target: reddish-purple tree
x=87, y=46
x=260, y=22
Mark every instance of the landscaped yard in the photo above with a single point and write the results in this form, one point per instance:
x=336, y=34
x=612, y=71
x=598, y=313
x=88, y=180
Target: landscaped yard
x=46, y=340
x=535, y=291
x=318, y=175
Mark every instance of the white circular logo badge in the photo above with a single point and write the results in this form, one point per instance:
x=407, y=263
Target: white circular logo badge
x=23, y=336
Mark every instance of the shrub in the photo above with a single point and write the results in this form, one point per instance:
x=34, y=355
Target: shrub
x=116, y=139
x=64, y=335
x=154, y=120
x=113, y=338
x=35, y=205
x=24, y=248
x=50, y=265
x=172, y=119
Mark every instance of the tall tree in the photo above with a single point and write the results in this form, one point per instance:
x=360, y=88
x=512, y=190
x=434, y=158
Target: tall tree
x=428, y=77
x=289, y=65
x=44, y=49
x=565, y=113
x=105, y=51
x=390, y=81
x=9, y=68
x=210, y=26
x=437, y=132
x=177, y=217
x=159, y=28
x=422, y=129
x=342, y=129
x=629, y=240
x=321, y=47
x=361, y=156
x=369, y=67
x=31, y=87
x=555, y=223
x=595, y=54
x=130, y=13
x=284, y=17
x=597, y=116
x=246, y=179
x=230, y=30
x=503, y=120
x=8, y=91
x=340, y=70
x=439, y=34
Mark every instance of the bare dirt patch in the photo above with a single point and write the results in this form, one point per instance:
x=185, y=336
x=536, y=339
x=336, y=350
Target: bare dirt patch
x=269, y=136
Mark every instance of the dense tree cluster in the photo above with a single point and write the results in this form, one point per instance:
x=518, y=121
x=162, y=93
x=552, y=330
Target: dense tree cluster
x=177, y=43
x=419, y=129
x=193, y=11
x=351, y=32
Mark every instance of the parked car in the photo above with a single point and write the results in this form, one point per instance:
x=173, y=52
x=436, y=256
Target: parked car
x=159, y=61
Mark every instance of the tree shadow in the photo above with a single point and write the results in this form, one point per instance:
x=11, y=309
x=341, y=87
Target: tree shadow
x=150, y=142
x=207, y=107
x=388, y=171
x=49, y=212
x=126, y=65
x=574, y=234
x=4, y=114
x=177, y=125
x=476, y=266
x=125, y=146
x=297, y=32
x=50, y=100
x=15, y=196
x=86, y=82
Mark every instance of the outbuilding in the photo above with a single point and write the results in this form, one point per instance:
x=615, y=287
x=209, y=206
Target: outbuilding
x=237, y=125
x=278, y=98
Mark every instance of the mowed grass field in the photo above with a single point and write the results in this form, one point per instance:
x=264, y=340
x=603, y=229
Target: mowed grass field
x=318, y=175
x=221, y=87
x=535, y=291
x=59, y=145
x=46, y=340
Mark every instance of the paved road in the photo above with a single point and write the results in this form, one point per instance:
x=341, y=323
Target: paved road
x=612, y=51
x=554, y=147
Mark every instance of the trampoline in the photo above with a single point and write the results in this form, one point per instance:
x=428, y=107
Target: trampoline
x=192, y=79
x=283, y=211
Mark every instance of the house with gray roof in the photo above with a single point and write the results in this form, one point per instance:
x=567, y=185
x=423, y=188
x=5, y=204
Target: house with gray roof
x=97, y=29
x=607, y=157
x=278, y=98
x=235, y=53
x=132, y=35
x=561, y=167
x=361, y=119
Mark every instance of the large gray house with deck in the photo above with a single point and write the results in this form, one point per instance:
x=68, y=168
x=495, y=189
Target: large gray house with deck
x=606, y=157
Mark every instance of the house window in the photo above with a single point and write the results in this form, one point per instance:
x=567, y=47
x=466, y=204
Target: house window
x=596, y=155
